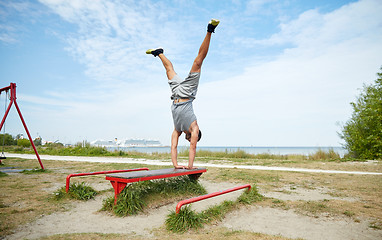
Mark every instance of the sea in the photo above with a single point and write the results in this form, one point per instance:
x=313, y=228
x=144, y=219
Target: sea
x=251, y=150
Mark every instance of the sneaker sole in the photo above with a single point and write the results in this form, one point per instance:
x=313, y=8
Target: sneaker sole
x=149, y=51
x=214, y=22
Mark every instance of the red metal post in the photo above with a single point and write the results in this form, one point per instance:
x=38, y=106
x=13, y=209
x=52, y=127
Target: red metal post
x=96, y=173
x=9, y=107
x=12, y=88
x=196, y=199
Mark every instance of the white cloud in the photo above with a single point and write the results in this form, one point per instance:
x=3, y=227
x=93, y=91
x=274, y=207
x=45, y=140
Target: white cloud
x=113, y=36
x=297, y=98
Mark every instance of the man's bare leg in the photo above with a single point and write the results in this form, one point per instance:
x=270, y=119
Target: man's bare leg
x=168, y=66
x=158, y=52
x=203, y=50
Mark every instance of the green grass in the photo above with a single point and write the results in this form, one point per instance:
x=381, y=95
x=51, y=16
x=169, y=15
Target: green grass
x=322, y=155
x=35, y=171
x=375, y=225
x=217, y=212
x=349, y=213
x=79, y=191
x=187, y=219
x=237, y=156
x=135, y=197
x=131, y=200
x=251, y=196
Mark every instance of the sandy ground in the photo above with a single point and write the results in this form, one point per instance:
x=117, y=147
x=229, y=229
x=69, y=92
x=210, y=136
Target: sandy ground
x=84, y=217
x=289, y=224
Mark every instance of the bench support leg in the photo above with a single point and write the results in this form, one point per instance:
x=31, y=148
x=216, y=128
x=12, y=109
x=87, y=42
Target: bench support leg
x=194, y=176
x=118, y=187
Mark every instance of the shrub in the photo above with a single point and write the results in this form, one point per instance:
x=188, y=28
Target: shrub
x=363, y=132
x=23, y=142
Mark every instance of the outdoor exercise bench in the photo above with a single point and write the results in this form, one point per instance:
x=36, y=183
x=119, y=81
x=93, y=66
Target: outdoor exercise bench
x=120, y=180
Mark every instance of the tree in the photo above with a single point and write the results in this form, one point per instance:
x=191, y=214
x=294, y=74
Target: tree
x=37, y=141
x=363, y=132
x=8, y=139
x=23, y=142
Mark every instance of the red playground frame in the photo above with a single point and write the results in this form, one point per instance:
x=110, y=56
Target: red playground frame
x=12, y=89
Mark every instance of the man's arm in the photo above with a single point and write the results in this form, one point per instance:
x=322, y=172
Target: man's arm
x=174, y=149
x=193, y=142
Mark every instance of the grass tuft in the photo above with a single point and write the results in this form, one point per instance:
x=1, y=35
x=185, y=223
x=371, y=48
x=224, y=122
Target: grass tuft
x=188, y=219
x=185, y=220
x=217, y=212
x=79, y=191
x=323, y=155
x=251, y=196
x=108, y=204
x=349, y=213
x=131, y=200
x=135, y=197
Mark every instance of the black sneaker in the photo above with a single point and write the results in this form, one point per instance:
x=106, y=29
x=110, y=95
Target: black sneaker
x=155, y=52
x=212, y=25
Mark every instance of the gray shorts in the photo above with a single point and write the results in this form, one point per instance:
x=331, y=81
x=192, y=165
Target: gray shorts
x=183, y=115
x=184, y=88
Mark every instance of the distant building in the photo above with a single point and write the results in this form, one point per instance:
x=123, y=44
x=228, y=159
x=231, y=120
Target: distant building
x=153, y=143
x=104, y=143
x=141, y=143
x=127, y=143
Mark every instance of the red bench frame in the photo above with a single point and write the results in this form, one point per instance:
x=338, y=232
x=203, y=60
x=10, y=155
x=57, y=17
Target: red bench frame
x=119, y=181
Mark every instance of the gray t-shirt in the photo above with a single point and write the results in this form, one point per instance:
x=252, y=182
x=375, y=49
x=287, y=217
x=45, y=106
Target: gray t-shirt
x=186, y=88
x=183, y=115
x=183, y=112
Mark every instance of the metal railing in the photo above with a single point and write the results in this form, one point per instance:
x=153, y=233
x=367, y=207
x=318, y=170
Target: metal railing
x=102, y=172
x=196, y=199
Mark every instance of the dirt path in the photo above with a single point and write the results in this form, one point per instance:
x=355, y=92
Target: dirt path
x=84, y=217
x=289, y=224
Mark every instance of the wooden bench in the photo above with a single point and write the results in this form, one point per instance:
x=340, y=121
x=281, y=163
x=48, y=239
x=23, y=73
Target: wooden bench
x=120, y=180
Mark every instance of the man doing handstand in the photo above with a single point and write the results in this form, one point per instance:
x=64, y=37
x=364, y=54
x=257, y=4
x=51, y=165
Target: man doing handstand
x=183, y=93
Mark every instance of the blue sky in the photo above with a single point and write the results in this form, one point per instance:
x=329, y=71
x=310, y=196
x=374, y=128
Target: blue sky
x=278, y=73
